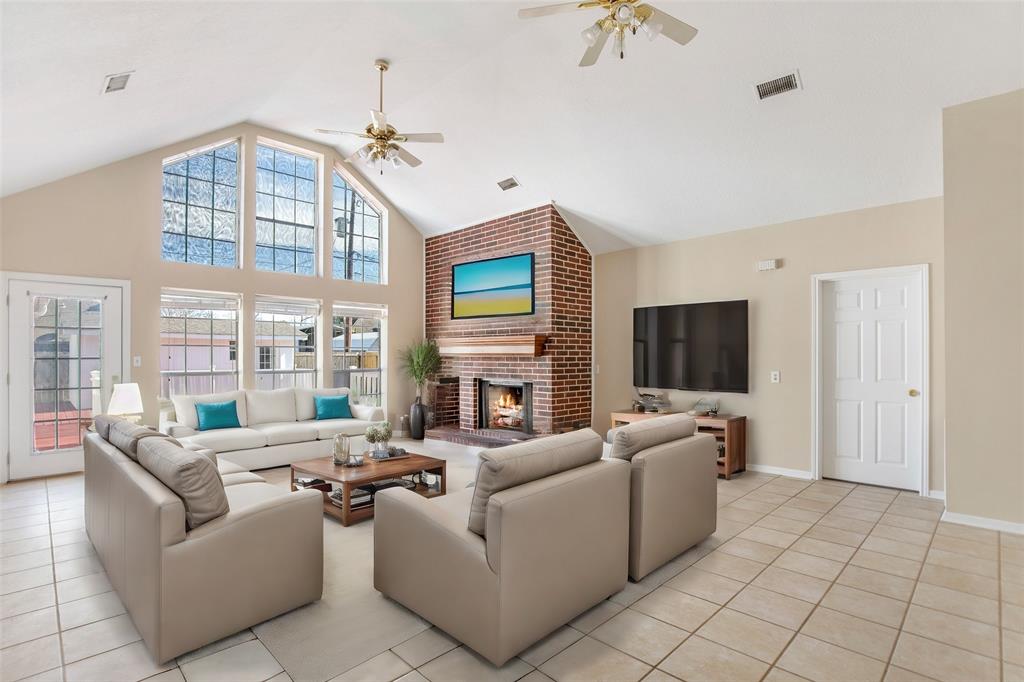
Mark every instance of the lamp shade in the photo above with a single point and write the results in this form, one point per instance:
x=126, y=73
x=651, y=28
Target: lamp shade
x=126, y=399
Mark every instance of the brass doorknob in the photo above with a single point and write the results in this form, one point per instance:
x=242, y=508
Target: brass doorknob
x=914, y=392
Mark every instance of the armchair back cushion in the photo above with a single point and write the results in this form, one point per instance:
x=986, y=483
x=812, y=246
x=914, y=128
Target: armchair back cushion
x=630, y=439
x=185, y=406
x=305, y=408
x=265, y=407
x=190, y=475
x=514, y=465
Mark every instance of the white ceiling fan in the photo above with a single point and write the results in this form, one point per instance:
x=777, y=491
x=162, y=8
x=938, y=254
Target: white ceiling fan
x=622, y=16
x=385, y=141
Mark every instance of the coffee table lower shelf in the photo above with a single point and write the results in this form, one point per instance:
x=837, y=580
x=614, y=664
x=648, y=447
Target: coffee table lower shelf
x=366, y=511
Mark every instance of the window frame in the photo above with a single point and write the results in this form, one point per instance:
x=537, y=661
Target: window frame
x=193, y=300
x=239, y=162
x=318, y=204
x=382, y=237
x=342, y=377
x=274, y=305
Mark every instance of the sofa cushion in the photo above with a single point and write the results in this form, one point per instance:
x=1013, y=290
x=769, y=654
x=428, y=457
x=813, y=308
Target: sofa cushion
x=247, y=494
x=125, y=436
x=190, y=475
x=282, y=433
x=185, y=406
x=102, y=424
x=632, y=438
x=225, y=467
x=514, y=465
x=304, y=407
x=332, y=407
x=226, y=440
x=329, y=428
x=264, y=407
x=241, y=478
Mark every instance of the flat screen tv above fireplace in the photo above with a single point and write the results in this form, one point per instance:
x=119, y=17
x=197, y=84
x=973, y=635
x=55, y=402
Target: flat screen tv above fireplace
x=495, y=287
x=692, y=347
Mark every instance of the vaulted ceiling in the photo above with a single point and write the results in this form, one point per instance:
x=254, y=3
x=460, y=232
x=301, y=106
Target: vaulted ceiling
x=667, y=144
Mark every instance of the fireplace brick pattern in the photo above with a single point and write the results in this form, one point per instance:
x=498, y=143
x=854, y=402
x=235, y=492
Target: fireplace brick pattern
x=563, y=312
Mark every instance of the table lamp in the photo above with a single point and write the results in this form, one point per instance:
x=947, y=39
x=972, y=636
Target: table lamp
x=126, y=400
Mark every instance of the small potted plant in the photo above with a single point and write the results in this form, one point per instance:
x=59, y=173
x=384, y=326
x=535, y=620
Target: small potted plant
x=378, y=435
x=421, y=361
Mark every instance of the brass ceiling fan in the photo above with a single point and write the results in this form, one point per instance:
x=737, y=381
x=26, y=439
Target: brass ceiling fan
x=385, y=141
x=623, y=16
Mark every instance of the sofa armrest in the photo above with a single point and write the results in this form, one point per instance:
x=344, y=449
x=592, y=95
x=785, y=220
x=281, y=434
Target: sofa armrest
x=176, y=430
x=368, y=413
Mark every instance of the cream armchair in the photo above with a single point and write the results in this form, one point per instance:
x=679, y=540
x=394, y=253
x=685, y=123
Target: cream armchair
x=673, y=488
x=554, y=544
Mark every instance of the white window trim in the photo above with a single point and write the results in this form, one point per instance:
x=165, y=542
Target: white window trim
x=385, y=224
x=318, y=370
x=226, y=296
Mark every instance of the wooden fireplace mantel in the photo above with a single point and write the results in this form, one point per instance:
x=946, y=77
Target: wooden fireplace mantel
x=526, y=344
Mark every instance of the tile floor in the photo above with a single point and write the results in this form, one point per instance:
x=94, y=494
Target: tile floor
x=817, y=581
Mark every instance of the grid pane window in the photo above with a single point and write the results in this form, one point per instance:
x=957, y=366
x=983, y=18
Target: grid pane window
x=285, y=211
x=198, y=344
x=356, y=352
x=200, y=223
x=285, y=340
x=67, y=369
x=357, y=230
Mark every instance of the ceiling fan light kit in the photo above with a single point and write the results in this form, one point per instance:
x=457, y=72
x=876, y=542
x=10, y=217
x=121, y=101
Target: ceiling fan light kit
x=384, y=140
x=622, y=16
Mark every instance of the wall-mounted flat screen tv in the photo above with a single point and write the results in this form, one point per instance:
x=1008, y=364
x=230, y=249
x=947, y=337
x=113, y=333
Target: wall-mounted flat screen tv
x=496, y=287
x=691, y=347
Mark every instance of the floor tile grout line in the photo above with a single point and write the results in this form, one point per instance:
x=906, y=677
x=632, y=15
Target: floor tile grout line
x=56, y=596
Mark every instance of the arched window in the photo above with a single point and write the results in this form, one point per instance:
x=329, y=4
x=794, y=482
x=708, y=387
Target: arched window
x=357, y=235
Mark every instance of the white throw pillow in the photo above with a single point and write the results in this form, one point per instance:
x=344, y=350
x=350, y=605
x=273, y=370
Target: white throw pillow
x=185, y=406
x=305, y=408
x=264, y=407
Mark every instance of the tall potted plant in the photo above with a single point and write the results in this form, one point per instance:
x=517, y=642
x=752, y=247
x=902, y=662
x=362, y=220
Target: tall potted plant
x=421, y=361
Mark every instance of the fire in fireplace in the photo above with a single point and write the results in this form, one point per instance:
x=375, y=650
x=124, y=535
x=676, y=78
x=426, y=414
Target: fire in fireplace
x=505, y=405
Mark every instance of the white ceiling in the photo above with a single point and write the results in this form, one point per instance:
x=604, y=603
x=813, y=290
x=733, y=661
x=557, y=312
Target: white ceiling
x=667, y=144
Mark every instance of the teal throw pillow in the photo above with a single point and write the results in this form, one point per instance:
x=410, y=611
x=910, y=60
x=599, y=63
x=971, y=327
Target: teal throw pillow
x=332, y=407
x=217, y=415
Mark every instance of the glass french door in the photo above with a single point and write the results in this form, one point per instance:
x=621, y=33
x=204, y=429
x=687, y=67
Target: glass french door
x=65, y=357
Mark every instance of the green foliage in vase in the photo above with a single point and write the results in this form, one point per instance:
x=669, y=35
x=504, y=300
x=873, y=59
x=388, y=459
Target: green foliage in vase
x=421, y=361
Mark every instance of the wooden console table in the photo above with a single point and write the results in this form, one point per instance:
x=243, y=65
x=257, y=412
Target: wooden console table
x=729, y=429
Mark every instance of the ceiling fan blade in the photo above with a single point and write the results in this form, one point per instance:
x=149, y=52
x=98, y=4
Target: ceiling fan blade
x=672, y=28
x=544, y=11
x=594, y=51
x=327, y=131
x=354, y=155
x=380, y=121
x=407, y=158
x=422, y=137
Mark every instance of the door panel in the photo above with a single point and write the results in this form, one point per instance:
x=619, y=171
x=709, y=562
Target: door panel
x=66, y=354
x=872, y=332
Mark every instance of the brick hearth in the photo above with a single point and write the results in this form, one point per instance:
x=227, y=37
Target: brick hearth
x=561, y=376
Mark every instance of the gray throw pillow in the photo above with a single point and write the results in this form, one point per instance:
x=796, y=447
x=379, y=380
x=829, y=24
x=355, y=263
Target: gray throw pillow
x=521, y=463
x=630, y=439
x=125, y=436
x=190, y=475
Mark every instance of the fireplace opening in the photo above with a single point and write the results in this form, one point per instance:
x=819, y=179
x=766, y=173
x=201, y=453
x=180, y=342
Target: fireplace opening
x=505, y=405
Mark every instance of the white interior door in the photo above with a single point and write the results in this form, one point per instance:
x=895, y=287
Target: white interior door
x=65, y=355
x=873, y=368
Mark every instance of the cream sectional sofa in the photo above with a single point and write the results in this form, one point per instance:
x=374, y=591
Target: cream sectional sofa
x=277, y=427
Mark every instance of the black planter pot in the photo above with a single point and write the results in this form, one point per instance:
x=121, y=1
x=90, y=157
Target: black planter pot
x=417, y=419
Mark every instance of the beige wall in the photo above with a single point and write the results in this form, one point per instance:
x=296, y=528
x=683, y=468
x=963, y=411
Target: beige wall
x=106, y=223
x=983, y=150
x=721, y=267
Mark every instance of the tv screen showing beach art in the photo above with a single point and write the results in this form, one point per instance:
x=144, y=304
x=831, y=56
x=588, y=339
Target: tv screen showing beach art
x=493, y=287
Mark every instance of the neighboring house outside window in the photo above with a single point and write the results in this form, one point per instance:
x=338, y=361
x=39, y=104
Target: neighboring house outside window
x=356, y=351
x=198, y=342
x=286, y=338
x=286, y=210
x=200, y=207
x=356, y=253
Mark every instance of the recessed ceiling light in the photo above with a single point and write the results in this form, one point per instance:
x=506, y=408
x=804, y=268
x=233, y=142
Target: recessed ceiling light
x=116, y=82
x=507, y=184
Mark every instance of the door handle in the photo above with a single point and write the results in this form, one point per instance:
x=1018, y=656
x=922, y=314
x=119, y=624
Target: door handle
x=914, y=392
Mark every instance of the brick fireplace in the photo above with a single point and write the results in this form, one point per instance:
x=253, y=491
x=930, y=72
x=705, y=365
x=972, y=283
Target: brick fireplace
x=557, y=383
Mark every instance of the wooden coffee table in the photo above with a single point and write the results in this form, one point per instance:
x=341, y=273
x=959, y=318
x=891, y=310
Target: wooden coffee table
x=350, y=478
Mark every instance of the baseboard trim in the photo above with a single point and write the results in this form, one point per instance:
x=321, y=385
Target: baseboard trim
x=780, y=471
x=984, y=522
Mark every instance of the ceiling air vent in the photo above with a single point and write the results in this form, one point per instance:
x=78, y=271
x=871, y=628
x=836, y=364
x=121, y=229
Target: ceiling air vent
x=116, y=82
x=507, y=184
x=777, y=86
